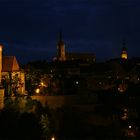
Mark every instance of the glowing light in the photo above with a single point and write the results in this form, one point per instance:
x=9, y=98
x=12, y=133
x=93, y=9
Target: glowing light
x=77, y=82
x=125, y=117
x=42, y=84
x=130, y=126
x=1, y=47
x=37, y=90
x=124, y=55
x=53, y=138
x=122, y=88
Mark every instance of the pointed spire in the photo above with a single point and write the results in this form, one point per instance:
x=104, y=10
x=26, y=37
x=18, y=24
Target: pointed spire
x=61, y=47
x=60, y=35
x=60, y=38
x=124, y=42
x=124, y=45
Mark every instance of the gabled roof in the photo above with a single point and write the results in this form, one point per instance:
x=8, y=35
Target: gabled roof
x=9, y=64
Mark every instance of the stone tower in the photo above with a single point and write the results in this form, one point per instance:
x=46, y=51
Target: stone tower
x=1, y=46
x=124, y=51
x=61, y=48
x=1, y=88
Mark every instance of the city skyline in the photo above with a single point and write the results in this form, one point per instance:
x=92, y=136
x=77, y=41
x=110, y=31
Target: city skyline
x=30, y=29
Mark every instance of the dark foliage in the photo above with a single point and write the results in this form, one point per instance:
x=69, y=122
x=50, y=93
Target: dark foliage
x=15, y=126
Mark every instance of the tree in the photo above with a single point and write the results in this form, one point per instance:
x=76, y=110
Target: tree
x=45, y=124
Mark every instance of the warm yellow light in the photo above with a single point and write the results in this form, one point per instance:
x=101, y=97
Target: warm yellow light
x=42, y=84
x=124, y=55
x=53, y=138
x=37, y=90
x=0, y=47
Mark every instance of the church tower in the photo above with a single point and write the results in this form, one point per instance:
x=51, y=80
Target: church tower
x=124, y=51
x=61, y=48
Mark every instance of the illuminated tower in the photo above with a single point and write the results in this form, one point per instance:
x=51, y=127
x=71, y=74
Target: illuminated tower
x=0, y=61
x=61, y=49
x=1, y=88
x=124, y=51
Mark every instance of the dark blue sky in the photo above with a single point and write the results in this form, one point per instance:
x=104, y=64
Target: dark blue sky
x=29, y=28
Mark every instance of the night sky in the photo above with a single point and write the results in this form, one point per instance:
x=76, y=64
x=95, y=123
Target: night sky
x=29, y=29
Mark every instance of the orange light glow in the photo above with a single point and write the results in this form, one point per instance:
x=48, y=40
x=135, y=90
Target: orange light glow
x=1, y=47
x=37, y=90
x=53, y=138
x=124, y=55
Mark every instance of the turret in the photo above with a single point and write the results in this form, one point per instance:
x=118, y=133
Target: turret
x=124, y=51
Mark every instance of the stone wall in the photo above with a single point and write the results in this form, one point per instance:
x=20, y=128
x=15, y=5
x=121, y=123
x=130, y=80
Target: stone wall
x=56, y=101
x=77, y=101
x=67, y=100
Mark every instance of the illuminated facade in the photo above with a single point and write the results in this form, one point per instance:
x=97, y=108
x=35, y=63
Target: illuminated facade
x=124, y=51
x=61, y=49
x=0, y=61
x=11, y=76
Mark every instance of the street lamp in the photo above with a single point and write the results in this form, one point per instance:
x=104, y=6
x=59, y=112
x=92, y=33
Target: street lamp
x=37, y=90
x=129, y=126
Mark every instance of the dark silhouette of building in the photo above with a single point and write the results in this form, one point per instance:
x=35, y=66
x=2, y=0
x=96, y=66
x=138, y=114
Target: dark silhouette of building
x=61, y=48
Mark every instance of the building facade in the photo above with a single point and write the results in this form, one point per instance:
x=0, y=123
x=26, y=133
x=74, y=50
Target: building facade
x=12, y=78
